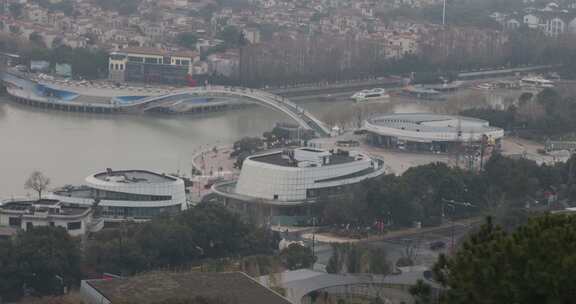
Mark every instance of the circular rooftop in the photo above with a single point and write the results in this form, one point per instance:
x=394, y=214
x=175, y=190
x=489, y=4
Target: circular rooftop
x=431, y=127
x=133, y=177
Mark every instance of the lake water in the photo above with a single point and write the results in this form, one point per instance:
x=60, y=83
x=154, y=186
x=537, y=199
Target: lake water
x=69, y=146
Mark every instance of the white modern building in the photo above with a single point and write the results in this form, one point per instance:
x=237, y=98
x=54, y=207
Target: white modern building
x=283, y=187
x=127, y=194
x=429, y=132
x=27, y=214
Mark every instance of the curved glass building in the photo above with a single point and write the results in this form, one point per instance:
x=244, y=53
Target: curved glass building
x=128, y=194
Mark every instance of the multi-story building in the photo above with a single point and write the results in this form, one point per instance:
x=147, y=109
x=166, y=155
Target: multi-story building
x=552, y=19
x=284, y=187
x=425, y=132
x=252, y=35
x=27, y=214
x=151, y=65
x=127, y=194
x=224, y=64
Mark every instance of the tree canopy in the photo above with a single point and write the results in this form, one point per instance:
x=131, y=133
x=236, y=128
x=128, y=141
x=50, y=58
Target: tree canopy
x=503, y=189
x=232, y=36
x=16, y=9
x=187, y=39
x=415, y=196
x=86, y=63
x=545, y=115
x=244, y=148
x=38, y=182
x=124, y=7
x=65, y=6
x=296, y=256
x=40, y=258
x=206, y=231
x=533, y=264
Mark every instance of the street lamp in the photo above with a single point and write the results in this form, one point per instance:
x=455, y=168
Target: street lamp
x=452, y=204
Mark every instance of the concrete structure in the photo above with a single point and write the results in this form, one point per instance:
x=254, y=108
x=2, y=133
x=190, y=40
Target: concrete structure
x=27, y=214
x=151, y=65
x=190, y=100
x=127, y=194
x=283, y=187
x=429, y=132
x=163, y=287
x=300, y=284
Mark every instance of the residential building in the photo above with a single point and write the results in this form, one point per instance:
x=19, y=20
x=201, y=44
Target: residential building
x=224, y=64
x=552, y=19
x=27, y=214
x=252, y=35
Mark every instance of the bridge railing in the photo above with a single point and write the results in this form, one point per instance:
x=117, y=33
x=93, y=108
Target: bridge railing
x=290, y=108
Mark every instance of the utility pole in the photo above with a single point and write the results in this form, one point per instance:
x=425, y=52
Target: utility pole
x=314, y=237
x=570, y=166
x=444, y=13
x=453, y=204
x=459, y=143
x=483, y=144
x=444, y=204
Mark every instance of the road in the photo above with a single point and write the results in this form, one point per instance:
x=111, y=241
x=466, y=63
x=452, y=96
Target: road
x=397, y=243
x=514, y=146
x=336, y=89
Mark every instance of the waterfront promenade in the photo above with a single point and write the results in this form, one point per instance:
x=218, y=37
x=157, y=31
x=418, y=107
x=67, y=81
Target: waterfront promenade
x=211, y=163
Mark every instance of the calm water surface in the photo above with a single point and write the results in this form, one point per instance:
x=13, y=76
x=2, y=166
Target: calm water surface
x=69, y=146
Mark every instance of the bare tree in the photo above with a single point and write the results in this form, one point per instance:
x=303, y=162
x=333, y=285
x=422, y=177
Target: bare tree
x=37, y=182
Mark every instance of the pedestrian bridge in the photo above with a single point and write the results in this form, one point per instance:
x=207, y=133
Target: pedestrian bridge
x=278, y=103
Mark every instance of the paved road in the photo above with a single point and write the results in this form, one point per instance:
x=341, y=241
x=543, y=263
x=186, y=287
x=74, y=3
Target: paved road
x=396, y=243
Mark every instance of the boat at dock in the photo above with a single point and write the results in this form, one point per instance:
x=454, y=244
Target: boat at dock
x=373, y=95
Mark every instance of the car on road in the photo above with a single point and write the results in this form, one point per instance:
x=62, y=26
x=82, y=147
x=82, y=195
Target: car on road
x=437, y=245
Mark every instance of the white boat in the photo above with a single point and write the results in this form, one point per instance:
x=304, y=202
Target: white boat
x=485, y=86
x=536, y=81
x=377, y=94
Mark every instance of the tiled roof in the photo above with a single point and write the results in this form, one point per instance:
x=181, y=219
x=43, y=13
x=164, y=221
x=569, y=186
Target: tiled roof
x=229, y=287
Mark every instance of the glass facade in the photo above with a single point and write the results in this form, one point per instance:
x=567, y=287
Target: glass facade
x=74, y=225
x=139, y=212
x=117, y=57
x=120, y=196
x=15, y=222
x=158, y=73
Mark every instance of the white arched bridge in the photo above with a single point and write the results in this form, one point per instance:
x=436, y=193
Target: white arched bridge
x=304, y=118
